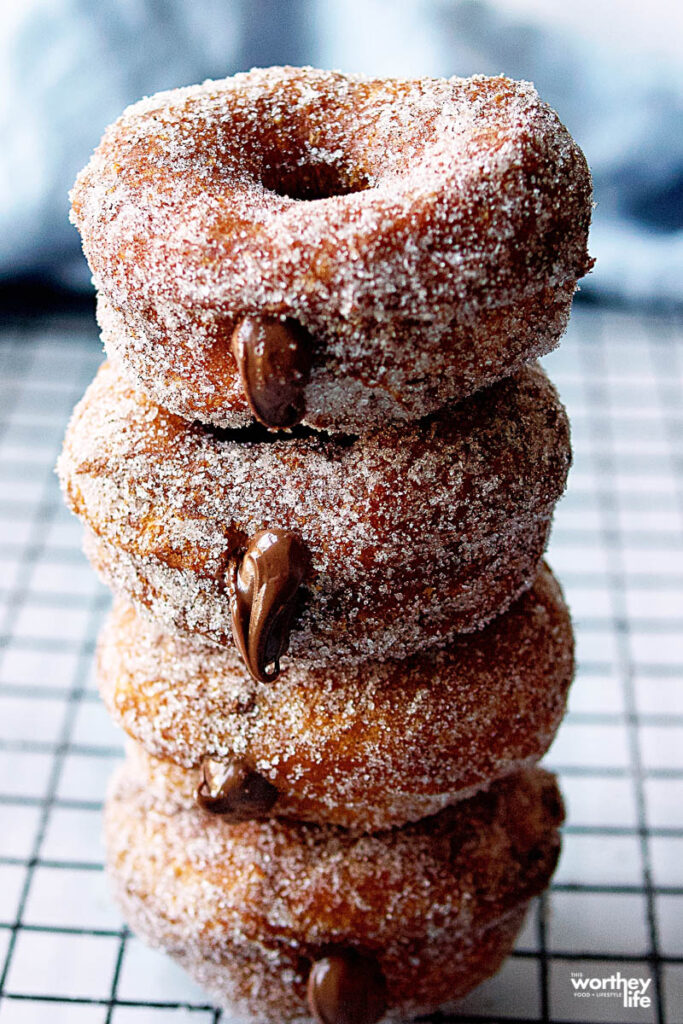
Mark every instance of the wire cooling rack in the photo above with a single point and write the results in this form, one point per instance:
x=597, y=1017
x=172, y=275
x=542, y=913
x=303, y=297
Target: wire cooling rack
x=616, y=904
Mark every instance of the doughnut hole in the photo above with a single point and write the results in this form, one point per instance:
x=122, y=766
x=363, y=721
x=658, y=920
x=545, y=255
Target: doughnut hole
x=307, y=182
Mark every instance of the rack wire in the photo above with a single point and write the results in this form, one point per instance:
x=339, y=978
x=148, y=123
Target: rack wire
x=616, y=903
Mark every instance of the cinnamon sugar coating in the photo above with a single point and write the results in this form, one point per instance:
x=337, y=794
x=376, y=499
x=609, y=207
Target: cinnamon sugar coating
x=247, y=908
x=367, y=747
x=415, y=533
x=428, y=234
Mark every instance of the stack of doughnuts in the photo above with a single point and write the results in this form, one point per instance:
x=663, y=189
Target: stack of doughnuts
x=319, y=471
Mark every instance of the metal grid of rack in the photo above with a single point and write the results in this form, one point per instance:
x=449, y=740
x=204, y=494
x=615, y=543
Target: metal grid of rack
x=616, y=903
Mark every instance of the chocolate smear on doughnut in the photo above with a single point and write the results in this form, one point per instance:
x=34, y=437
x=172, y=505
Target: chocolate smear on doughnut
x=233, y=790
x=266, y=584
x=274, y=358
x=347, y=988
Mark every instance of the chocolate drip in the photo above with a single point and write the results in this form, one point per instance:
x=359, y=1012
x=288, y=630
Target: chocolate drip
x=347, y=988
x=232, y=789
x=274, y=358
x=263, y=603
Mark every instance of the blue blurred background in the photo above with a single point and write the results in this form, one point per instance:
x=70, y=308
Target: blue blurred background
x=613, y=70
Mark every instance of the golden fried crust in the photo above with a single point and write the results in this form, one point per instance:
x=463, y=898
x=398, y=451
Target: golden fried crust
x=429, y=234
x=366, y=747
x=414, y=533
x=437, y=902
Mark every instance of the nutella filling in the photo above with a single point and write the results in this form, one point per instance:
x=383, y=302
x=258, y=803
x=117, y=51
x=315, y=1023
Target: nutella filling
x=264, y=599
x=347, y=988
x=232, y=789
x=274, y=358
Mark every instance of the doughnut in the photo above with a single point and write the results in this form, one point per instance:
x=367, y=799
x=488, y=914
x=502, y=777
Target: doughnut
x=281, y=920
x=345, y=548
x=300, y=245
x=368, y=747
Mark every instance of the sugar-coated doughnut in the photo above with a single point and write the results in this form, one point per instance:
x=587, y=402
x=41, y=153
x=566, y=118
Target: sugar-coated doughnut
x=368, y=746
x=260, y=912
x=412, y=534
x=419, y=238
